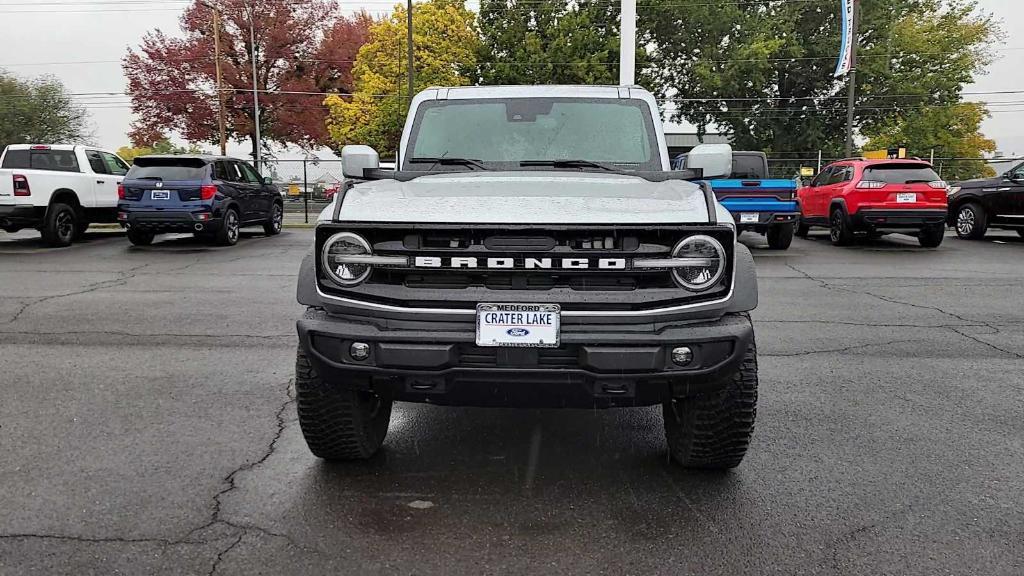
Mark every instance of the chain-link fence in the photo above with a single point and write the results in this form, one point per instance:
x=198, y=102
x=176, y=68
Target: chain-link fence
x=306, y=185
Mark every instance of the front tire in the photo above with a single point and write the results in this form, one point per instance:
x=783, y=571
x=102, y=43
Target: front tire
x=338, y=423
x=971, y=222
x=802, y=230
x=931, y=237
x=713, y=430
x=60, y=224
x=839, y=228
x=140, y=238
x=272, y=226
x=780, y=237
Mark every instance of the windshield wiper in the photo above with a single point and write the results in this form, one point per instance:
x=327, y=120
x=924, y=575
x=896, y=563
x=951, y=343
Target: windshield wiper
x=445, y=161
x=570, y=164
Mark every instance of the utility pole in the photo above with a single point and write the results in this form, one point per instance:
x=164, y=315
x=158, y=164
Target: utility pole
x=255, y=88
x=409, y=47
x=221, y=121
x=852, y=76
x=627, y=46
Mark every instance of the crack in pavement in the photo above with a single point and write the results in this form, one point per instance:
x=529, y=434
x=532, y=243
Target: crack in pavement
x=953, y=328
x=149, y=334
x=220, y=555
x=844, y=349
x=124, y=277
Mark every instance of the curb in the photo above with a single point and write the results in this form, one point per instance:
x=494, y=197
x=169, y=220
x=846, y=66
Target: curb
x=117, y=227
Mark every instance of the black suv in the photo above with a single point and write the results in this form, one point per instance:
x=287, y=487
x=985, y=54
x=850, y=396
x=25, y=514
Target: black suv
x=210, y=196
x=977, y=205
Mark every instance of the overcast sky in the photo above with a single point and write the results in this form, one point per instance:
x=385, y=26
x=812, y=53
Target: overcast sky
x=82, y=42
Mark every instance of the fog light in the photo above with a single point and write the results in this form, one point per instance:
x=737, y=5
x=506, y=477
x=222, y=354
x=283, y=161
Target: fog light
x=682, y=356
x=202, y=216
x=359, y=351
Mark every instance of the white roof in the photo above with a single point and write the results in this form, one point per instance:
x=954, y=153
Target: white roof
x=534, y=91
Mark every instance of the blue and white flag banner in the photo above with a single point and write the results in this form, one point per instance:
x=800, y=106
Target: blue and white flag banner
x=846, y=51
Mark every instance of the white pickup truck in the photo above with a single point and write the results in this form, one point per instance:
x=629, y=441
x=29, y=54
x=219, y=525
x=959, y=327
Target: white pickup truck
x=58, y=190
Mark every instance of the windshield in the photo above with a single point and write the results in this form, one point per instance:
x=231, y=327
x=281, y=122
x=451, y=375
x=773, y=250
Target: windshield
x=183, y=169
x=901, y=174
x=502, y=133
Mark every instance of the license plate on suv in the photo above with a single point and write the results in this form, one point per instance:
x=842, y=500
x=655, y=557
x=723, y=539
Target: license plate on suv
x=518, y=325
x=160, y=194
x=906, y=197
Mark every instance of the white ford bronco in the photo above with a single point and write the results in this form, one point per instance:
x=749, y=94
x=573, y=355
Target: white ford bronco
x=533, y=248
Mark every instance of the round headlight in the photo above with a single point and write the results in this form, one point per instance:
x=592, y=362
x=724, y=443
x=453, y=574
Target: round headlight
x=341, y=245
x=708, y=262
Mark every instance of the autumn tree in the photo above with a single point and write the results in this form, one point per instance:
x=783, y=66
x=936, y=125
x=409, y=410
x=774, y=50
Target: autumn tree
x=40, y=111
x=549, y=42
x=762, y=71
x=445, y=42
x=301, y=49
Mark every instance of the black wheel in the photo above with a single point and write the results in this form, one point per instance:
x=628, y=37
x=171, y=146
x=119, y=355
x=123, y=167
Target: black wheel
x=780, y=236
x=802, y=230
x=1020, y=233
x=839, y=228
x=932, y=236
x=338, y=423
x=273, y=224
x=80, y=228
x=713, y=430
x=59, y=225
x=971, y=222
x=227, y=234
x=140, y=237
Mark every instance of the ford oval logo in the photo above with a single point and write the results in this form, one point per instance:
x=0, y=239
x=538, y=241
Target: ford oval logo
x=518, y=332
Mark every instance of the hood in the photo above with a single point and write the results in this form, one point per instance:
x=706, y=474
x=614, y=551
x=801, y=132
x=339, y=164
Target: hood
x=526, y=198
x=979, y=182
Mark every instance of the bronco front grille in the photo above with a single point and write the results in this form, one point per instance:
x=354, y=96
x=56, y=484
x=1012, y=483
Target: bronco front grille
x=603, y=282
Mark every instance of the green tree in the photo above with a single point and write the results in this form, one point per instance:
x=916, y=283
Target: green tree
x=762, y=71
x=949, y=131
x=40, y=110
x=549, y=42
x=445, y=43
x=161, y=146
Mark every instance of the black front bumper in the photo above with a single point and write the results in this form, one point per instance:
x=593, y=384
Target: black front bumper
x=595, y=365
x=16, y=216
x=898, y=219
x=159, y=221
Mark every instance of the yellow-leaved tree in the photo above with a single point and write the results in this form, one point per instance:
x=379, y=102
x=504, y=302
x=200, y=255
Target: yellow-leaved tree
x=445, y=43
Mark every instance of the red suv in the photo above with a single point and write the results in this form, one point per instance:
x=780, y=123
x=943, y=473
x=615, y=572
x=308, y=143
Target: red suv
x=876, y=197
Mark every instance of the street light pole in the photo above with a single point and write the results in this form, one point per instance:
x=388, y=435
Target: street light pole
x=221, y=121
x=627, y=44
x=851, y=98
x=255, y=88
x=409, y=47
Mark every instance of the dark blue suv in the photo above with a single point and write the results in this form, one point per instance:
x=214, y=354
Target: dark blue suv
x=209, y=196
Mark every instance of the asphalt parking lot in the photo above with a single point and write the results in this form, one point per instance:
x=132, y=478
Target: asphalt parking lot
x=147, y=427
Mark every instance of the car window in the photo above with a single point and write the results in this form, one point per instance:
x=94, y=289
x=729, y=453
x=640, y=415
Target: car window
x=838, y=175
x=901, y=173
x=57, y=160
x=114, y=165
x=221, y=171
x=96, y=162
x=249, y=173
x=822, y=177
x=748, y=167
x=166, y=168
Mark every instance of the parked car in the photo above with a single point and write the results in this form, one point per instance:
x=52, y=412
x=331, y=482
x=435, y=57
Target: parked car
x=533, y=248
x=977, y=205
x=856, y=195
x=758, y=203
x=58, y=189
x=209, y=196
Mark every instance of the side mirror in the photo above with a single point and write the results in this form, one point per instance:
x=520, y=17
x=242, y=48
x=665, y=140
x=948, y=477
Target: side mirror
x=357, y=158
x=268, y=181
x=715, y=160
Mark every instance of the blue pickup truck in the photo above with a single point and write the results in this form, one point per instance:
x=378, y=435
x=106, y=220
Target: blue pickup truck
x=757, y=203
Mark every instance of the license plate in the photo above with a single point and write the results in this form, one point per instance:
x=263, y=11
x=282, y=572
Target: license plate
x=749, y=218
x=160, y=194
x=518, y=325
x=906, y=197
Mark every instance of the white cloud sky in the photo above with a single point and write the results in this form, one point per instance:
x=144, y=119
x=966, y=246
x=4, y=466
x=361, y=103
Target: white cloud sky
x=99, y=32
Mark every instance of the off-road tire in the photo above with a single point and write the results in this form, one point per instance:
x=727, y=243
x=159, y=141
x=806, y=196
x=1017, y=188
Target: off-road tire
x=227, y=234
x=140, y=237
x=839, y=228
x=780, y=236
x=59, y=225
x=971, y=222
x=275, y=220
x=338, y=423
x=81, y=227
x=1020, y=233
x=713, y=430
x=932, y=236
x=802, y=230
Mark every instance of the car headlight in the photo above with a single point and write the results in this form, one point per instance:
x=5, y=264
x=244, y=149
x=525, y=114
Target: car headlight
x=346, y=258
x=952, y=190
x=707, y=261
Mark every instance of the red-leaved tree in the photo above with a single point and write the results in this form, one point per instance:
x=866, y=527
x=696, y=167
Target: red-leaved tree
x=302, y=50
